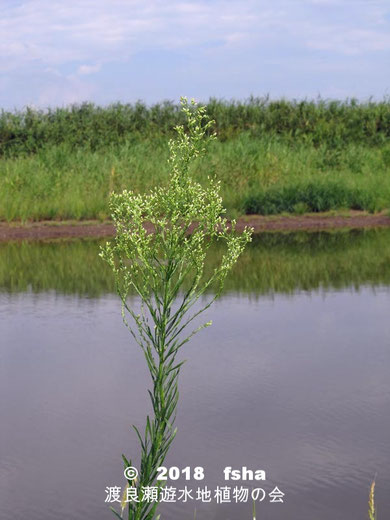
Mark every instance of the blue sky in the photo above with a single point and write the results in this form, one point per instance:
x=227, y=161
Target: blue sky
x=56, y=52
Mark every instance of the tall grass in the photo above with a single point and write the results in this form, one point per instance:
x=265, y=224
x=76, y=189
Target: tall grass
x=270, y=157
x=334, y=123
x=258, y=175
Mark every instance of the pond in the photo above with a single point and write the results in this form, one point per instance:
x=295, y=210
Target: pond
x=292, y=378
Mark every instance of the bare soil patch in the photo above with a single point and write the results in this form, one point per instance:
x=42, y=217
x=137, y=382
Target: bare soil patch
x=88, y=229
x=314, y=221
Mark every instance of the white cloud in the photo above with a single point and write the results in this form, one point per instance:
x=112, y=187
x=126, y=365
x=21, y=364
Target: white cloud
x=84, y=70
x=352, y=43
x=67, y=91
x=77, y=38
x=54, y=32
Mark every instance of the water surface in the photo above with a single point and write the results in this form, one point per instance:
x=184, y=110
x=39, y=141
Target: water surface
x=292, y=378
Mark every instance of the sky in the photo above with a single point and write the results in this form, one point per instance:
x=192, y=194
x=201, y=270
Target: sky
x=57, y=52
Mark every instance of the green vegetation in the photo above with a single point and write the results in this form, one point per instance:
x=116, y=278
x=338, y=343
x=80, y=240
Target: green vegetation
x=272, y=263
x=316, y=196
x=270, y=157
x=333, y=123
x=157, y=266
x=372, y=511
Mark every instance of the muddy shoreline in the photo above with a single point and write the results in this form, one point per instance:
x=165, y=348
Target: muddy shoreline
x=93, y=229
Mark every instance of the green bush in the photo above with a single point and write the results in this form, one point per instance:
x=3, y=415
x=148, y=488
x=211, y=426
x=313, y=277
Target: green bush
x=334, y=123
x=311, y=196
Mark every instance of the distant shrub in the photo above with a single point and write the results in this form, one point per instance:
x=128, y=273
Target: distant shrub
x=310, y=196
x=333, y=123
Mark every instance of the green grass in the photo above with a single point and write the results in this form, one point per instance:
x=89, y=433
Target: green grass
x=270, y=157
x=334, y=123
x=258, y=174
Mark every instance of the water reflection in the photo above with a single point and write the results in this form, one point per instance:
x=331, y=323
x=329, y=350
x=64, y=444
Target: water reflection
x=273, y=263
x=293, y=378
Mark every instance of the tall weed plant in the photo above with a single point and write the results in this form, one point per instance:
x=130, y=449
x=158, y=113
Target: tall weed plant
x=161, y=243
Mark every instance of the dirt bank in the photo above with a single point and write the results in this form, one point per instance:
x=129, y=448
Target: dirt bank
x=310, y=222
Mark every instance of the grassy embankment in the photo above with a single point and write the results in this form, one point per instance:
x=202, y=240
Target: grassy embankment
x=271, y=157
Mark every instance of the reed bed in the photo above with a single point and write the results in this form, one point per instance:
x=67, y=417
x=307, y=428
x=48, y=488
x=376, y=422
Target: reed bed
x=319, y=122
x=271, y=156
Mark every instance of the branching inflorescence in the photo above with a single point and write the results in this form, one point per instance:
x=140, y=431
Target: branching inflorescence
x=159, y=252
